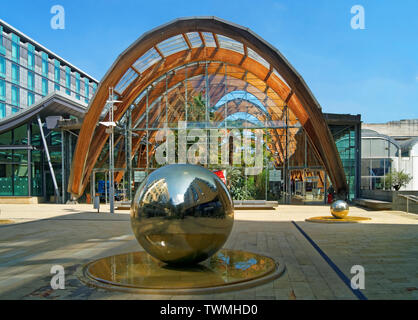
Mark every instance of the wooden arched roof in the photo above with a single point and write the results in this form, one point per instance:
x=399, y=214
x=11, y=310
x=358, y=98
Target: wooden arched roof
x=202, y=39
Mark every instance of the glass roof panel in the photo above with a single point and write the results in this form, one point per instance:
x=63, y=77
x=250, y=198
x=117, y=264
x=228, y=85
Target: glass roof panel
x=172, y=45
x=210, y=42
x=241, y=95
x=148, y=59
x=126, y=80
x=230, y=44
x=194, y=39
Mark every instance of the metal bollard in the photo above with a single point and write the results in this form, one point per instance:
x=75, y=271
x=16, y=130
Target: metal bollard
x=97, y=203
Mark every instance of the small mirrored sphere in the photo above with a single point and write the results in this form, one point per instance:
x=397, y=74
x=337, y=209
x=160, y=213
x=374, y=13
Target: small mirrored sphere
x=339, y=209
x=182, y=214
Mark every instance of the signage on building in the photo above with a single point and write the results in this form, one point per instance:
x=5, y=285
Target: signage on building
x=275, y=175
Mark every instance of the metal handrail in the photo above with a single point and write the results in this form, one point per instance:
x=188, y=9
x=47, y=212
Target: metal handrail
x=408, y=197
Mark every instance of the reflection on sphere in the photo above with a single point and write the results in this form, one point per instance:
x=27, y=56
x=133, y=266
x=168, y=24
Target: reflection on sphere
x=339, y=209
x=182, y=214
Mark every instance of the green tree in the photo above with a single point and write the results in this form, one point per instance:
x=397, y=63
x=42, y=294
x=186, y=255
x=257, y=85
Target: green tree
x=197, y=109
x=236, y=184
x=397, y=180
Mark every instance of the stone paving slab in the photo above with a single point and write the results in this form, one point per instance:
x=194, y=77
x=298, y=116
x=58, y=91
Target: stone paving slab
x=71, y=235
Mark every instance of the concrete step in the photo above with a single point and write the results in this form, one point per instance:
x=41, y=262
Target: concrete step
x=373, y=204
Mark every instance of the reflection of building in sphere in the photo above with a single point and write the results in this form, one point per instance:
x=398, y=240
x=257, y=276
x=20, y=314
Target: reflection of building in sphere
x=198, y=191
x=157, y=192
x=202, y=199
x=156, y=195
x=182, y=214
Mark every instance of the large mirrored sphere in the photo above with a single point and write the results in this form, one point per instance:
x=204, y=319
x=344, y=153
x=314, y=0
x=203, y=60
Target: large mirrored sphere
x=182, y=214
x=339, y=209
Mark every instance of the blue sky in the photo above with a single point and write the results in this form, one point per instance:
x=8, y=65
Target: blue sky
x=373, y=72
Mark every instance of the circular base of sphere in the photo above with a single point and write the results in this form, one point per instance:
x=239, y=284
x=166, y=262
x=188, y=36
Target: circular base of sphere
x=6, y=221
x=138, y=272
x=331, y=219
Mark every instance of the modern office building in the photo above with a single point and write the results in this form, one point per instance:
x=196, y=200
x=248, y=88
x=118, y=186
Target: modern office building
x=379, y=155
x=386, y=147
x=29, y=72
x=35, y=82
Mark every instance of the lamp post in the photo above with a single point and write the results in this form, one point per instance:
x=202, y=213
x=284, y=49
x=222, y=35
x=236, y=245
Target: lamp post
x=110, y=125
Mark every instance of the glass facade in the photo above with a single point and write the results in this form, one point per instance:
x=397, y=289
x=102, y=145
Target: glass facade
x=24, y=170
x=14, y=151
x=346, y=139
x=378, y=152
x=27, y=74
x=226, y=124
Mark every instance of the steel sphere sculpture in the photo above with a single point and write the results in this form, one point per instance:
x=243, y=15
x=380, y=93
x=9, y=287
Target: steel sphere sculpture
x=339, y=209
x=182, y=214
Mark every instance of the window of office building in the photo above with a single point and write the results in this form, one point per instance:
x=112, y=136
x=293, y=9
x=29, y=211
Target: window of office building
x=31, y=81
x=31, y=57
x=31, y=99
x=2, y=67
x=67, y=80
x=15, y=97
x=2, y=90
x=57, y=75
x=377, y=155
x=15, y=48
x=44, y=87
x=15, y=73
x=2, y=110
x=86, y=90
x=77, y=85
x=44, y=64
x=345, y=141
x=2, y=48
x=14, y=163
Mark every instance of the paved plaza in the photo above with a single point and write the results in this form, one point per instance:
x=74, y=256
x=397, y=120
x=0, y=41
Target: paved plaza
x=45, y=235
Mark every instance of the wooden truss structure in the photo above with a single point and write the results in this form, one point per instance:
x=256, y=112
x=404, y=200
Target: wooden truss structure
x=201, y=45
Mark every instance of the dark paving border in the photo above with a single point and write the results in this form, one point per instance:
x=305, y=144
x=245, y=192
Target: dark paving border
x=337, y=270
